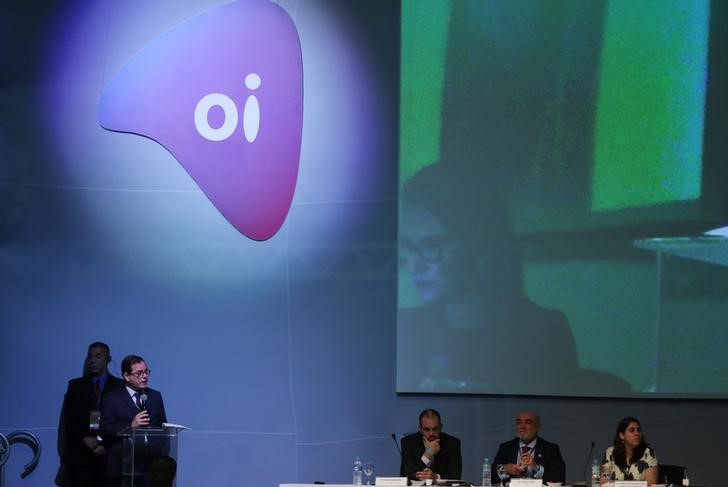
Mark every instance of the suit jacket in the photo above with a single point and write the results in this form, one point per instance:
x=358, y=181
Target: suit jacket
x=546, y=454
x=117, y=412
x=448, y=462
x=79, y=401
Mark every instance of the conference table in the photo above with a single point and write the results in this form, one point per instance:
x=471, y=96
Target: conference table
x=315, y=485
x=350, y=485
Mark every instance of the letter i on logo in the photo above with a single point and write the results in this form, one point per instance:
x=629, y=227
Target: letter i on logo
x=251, y=114
x=251, y=111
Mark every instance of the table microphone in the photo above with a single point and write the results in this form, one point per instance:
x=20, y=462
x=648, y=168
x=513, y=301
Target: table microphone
x=401, y=457
x=394, y=439
x=586, y=466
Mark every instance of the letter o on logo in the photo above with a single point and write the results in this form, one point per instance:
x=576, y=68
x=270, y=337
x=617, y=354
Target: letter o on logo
x=229, y=124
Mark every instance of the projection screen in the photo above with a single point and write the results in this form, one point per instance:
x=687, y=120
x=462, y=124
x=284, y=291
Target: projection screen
x=559, y=164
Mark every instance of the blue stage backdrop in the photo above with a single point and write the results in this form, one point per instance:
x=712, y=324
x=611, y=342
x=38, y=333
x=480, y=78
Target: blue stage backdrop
x=280, y=355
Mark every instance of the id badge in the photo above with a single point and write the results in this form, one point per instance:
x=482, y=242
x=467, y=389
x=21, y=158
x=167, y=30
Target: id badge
x=94, y=420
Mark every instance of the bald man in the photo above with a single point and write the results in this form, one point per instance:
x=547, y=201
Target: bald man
x=529, y=455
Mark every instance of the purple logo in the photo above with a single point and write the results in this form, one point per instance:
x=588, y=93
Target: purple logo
x=223, y=92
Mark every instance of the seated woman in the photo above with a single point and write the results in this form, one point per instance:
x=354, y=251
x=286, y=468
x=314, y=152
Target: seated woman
x=630, y=457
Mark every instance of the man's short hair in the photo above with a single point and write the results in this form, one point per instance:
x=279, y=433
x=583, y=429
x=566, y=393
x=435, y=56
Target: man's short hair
x=128, y=361
x=100, y=345
x=429, y=413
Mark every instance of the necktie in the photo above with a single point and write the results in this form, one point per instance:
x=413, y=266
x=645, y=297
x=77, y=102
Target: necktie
x=525, y=450
x=97, y=389
x=137, y=401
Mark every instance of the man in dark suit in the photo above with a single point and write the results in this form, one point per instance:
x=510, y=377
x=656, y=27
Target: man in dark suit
x=529, y=455
x=430, y=453
x=134, y=405
x=84, y=454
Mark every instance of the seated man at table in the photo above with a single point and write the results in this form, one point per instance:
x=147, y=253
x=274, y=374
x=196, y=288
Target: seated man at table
x=529, y=455
x=430, y=453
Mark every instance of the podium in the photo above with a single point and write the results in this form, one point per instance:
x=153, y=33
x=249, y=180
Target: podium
x=149, y=456
x=689, y=330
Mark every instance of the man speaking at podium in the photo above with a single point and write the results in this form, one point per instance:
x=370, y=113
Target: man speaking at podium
x=430, y=453
x=134, y=405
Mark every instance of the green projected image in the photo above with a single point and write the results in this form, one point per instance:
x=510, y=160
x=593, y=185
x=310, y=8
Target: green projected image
x=651, y=104
x=539, y=141
x=424, y=39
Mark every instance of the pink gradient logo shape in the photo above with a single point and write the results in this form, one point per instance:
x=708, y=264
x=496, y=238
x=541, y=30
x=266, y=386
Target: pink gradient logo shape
x=223, y=92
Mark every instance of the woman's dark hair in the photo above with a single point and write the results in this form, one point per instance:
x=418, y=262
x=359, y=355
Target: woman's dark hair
x=620, y=453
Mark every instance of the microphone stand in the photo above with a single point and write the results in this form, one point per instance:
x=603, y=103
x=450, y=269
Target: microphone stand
x=586, y=466
x=401, y=457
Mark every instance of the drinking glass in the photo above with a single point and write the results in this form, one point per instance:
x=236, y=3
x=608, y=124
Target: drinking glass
x=502, y=473
x=607, y=474
x=369, y=472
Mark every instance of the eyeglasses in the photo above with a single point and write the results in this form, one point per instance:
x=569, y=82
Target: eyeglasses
x=141, y=373
x=430, y=249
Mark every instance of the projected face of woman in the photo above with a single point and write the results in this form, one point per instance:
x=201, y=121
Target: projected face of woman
x=428, y=254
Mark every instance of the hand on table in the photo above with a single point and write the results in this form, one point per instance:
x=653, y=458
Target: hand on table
x=513, y=469
x=426, y=474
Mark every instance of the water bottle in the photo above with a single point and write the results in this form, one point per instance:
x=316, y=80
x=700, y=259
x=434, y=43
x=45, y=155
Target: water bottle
x=486, y=473
x=357, y=471
x=595, y=473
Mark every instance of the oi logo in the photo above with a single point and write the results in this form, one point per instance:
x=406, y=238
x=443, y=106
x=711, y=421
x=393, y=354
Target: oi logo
x=223, y=92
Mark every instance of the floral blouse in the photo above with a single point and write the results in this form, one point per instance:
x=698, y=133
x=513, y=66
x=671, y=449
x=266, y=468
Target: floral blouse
x=634, y=471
